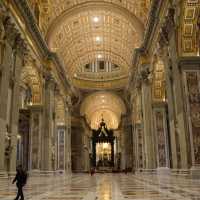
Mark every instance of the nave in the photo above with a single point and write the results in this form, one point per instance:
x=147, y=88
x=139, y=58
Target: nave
x=105, y=187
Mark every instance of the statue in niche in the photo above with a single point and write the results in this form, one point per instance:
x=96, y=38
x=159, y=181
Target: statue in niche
x=146, y=74
x=28, y=95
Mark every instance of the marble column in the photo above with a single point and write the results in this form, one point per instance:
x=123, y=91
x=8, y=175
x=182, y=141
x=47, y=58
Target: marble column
x=161, y=136
x=61, y=146
x=5, y=63
x=169, y=39
x=15, y=101
x=68, y=135
x=139, y=148
x=171, y=112
x=47, y=148
x=35, y=137
x=14, y=51
x=146, y=92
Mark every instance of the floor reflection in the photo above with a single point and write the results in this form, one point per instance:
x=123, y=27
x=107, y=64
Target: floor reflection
x=105, y=187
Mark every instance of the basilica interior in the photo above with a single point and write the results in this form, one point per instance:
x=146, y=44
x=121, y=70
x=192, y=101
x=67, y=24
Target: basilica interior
x=108, y=86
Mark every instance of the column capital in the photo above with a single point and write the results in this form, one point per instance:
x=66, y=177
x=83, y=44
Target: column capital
x=49, y=80
x=13, y=36
x=20, y=46
x=10, y=31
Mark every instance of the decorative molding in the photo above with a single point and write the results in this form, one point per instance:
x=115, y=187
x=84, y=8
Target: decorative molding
x=31, y=24
x=152, y=22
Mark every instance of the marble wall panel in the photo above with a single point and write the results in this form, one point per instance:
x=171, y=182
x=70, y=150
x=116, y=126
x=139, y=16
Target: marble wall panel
x=192, y=90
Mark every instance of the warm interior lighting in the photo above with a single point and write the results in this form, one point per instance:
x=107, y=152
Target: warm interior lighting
x=96, y=19
x=98, y=39
x=18, y=137
x=105, y=145
x=99, y=56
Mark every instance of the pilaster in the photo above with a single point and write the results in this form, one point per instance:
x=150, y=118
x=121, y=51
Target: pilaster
x=15, y=85
x=190, y=68
x=68, y=107
x=5, y=63
x=178, y=129
x=147, y=118
x=35, y=137
x=47, y=149
x=161, y=137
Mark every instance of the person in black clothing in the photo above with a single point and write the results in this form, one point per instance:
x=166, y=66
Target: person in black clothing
x=20, y=180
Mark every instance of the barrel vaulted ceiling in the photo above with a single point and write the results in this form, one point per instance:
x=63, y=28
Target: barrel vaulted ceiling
x=87, y=31
x=106, y=105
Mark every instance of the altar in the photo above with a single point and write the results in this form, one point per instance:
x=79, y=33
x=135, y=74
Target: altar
x=103, y=147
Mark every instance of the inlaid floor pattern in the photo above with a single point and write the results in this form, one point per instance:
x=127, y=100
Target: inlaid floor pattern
x=105, y=187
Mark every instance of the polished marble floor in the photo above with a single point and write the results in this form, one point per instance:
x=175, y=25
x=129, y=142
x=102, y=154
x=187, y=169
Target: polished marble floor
x=105, y=187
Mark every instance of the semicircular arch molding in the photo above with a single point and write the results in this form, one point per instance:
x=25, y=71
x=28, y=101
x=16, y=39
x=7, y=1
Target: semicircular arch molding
x=96, y=105
x=113, y=38
x=98, y=5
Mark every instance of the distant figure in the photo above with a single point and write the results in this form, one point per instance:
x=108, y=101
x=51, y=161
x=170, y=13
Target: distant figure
x=20, y=179
x=92, y=171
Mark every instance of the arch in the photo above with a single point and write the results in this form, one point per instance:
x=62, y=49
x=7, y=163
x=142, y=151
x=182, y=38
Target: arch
x=72, y=35
x=103, y=103
x=97, y=5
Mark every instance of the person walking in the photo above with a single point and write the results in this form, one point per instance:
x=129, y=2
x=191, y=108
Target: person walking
x=20, y=179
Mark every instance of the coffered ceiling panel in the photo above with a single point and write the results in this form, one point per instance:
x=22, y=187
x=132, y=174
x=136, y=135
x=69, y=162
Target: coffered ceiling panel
x=55, y=8
x=94, y=35
x=85, y=31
